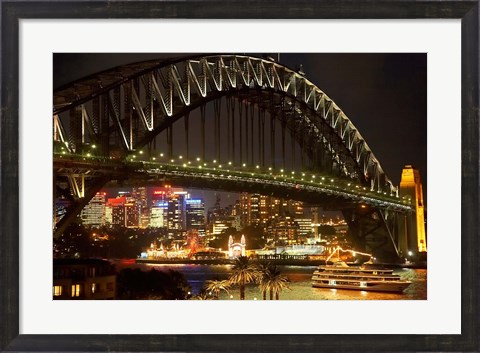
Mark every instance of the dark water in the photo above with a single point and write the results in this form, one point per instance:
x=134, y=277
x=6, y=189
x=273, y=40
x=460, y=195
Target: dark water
x=300, y=283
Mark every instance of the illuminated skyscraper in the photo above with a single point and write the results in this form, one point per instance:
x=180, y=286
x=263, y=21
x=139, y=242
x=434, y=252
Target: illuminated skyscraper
x=159, y=208
x=176, y=210
x=108, y=214
x=118, y=210
x=158, y=214
x=132, y=213
x=93, y=214
x=140, y=196
x=195, y=215
x=254, y=209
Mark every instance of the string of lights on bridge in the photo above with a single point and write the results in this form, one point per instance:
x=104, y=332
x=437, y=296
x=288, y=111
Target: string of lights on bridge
x=228, y=170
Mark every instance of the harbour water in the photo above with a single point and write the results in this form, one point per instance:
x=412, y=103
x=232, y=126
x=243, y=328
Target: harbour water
x=300, y=283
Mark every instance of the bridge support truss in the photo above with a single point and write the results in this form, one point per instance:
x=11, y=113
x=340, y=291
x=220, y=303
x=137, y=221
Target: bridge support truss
x=376, y=231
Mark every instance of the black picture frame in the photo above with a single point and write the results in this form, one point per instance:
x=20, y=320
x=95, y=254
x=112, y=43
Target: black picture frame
x=13, y=11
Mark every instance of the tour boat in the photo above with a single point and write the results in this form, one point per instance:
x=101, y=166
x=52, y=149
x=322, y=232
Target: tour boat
x=339, y=275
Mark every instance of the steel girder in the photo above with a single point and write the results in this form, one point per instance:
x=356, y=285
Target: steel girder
x=375, y=230
x=129, y=105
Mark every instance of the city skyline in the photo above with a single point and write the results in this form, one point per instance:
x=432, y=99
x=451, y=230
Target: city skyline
x=152, y=207
x=234, y=159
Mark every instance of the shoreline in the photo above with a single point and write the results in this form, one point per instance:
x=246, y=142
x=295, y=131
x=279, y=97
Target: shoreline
x=279, y=262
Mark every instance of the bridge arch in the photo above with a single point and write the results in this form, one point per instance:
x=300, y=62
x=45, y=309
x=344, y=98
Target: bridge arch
x=122, y=111
x=133, y=104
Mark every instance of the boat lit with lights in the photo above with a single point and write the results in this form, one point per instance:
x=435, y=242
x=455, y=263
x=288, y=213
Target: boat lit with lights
x=339, y=275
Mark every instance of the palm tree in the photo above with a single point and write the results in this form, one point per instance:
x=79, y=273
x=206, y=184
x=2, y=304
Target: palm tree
x=274, y=281
x=244, y=271
x=216, y=286
x=263, y=268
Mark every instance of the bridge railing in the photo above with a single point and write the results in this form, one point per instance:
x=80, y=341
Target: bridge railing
x=296, y=180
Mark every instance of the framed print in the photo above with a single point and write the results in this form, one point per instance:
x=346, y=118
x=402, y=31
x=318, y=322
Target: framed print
x=132, y=156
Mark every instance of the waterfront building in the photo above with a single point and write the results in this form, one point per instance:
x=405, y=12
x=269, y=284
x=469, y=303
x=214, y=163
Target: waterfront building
x=83, y=279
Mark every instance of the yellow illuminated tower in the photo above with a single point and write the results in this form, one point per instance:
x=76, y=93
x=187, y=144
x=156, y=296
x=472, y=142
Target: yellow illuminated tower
x=411, y=186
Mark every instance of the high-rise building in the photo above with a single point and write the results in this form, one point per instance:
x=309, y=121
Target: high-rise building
x=132, y=213
x=108, y=214
x=304, y=226
x=176, y=210
x=93, y=213
x=118, y=210
x=260, y=209
x=158, y=214
x=295, y=208
x=244, y=209
x=254, y=209
x=219, y=226
x=141, y=202
x=275, y=208
x=285, y=230
x=159, y=208
x=195, y=215
x=181, y=196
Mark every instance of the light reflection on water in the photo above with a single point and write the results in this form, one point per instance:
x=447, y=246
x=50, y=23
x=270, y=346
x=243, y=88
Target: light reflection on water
x=300, y=283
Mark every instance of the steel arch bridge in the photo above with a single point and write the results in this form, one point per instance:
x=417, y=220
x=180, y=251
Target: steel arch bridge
x=106, y=129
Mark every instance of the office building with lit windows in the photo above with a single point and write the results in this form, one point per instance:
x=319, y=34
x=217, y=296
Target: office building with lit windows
x=176, y=210
x=118, y=210
x=93, y=214
x=140, y=196
x=195, y=215
x=158, y=214
x=132, y=214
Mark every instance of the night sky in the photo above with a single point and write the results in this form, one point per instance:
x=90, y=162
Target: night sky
x=384, y=95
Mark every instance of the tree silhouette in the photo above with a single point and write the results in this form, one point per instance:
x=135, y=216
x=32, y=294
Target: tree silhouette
x=244, y=271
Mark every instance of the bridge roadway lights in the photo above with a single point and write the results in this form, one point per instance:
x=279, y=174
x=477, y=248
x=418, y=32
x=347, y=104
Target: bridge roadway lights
x=369, y=229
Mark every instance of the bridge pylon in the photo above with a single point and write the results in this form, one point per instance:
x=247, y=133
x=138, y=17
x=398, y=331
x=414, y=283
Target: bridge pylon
x=412, y=227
